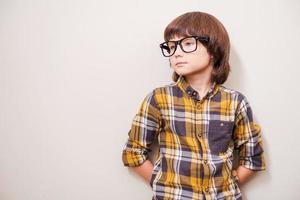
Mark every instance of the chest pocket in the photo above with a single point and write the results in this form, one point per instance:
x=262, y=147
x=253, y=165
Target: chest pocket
x=219, y=135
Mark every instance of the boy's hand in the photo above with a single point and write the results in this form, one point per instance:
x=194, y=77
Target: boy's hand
x=243, y=174
x=144, y=170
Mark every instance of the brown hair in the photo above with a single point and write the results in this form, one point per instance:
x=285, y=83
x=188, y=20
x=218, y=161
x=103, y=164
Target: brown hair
x=204, y=24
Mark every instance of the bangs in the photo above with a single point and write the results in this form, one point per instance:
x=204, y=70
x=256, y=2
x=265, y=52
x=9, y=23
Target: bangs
x=174, y=31
x=184, y=26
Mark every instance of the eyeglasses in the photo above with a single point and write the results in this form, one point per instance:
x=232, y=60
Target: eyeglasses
x=187, y=45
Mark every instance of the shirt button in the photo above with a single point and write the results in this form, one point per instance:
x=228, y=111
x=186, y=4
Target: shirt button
x=198, y=107
x=206, y=190
x=222, y=124
x=205, y=161
x=199, y=134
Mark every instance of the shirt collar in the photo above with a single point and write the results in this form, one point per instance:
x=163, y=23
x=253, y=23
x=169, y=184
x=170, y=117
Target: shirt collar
x=187, y=88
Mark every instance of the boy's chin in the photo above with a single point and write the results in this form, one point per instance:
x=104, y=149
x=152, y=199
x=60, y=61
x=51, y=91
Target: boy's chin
x=184, y=73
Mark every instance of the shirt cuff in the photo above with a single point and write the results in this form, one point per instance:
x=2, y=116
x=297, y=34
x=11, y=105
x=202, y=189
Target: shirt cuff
x=255, y=163
x=133, y=158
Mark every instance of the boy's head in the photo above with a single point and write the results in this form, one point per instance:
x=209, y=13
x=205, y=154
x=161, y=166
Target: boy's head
x=214, y=40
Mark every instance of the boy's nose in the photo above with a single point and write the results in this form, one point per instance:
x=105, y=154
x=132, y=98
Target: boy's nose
x=178, y=51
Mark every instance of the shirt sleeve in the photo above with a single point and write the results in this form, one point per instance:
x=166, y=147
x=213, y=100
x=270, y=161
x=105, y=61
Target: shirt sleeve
x=247, y=138
x=144, y=129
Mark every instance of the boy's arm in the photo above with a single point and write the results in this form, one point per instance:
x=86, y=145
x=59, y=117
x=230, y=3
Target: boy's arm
x=248, y=141
x=145, y=127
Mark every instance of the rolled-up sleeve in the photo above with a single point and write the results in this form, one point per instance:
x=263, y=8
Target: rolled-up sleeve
x=145, y=126
x=247, y=138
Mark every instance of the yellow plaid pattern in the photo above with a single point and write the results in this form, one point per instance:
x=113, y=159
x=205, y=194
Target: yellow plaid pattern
x=196, y=138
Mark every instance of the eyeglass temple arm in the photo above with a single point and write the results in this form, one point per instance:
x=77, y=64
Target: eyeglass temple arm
x=203, y=38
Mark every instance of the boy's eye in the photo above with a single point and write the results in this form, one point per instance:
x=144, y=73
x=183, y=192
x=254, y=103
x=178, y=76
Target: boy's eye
x=171, y=47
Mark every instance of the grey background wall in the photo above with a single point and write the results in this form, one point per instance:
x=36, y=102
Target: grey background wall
x=73, y=74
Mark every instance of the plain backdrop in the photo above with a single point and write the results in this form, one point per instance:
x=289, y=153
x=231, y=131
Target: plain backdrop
x=73, y=74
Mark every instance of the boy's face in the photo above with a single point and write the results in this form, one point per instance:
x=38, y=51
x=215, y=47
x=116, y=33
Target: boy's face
x=192, y=63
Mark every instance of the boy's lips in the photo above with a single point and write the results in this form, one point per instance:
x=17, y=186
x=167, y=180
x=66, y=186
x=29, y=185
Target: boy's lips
x=180, y=63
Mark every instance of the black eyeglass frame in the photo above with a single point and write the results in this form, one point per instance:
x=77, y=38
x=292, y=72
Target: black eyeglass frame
x=204, y=39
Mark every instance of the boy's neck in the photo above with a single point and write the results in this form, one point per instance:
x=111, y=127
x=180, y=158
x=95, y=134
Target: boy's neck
x=200, y=82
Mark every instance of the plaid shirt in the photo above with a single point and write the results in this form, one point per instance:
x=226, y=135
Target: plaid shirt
x=196, y=141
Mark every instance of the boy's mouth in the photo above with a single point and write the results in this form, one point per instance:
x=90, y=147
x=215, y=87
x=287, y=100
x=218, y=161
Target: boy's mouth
x=180, y=63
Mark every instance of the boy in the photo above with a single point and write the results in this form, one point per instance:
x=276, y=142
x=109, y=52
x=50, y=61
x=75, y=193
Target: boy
x=197, y=120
